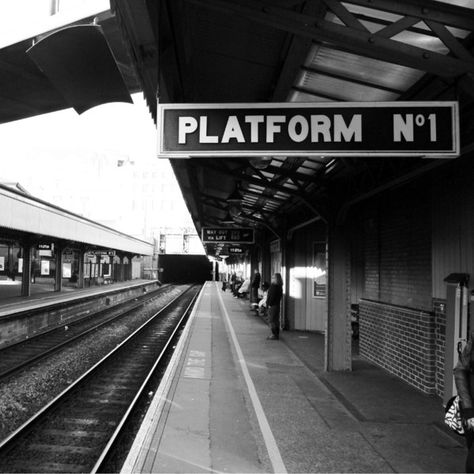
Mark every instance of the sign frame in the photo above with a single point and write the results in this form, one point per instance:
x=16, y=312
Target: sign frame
x=452, y=153
x=231, y=242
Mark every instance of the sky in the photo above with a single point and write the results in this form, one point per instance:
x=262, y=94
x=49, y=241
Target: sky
x=71, y=160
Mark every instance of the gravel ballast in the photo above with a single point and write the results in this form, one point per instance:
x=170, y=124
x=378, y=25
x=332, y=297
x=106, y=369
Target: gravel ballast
x=22, y=395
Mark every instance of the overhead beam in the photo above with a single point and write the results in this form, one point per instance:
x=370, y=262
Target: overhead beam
x=265, y=184
x=347, y=38
x=445, y=13
x=220, y=203
x=296, y=55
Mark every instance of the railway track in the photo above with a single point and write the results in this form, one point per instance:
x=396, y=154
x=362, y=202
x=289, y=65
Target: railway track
x=22, y=354
x=77, y=431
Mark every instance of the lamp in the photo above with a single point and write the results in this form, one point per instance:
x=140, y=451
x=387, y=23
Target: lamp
x=261, y=162
x=235, y=202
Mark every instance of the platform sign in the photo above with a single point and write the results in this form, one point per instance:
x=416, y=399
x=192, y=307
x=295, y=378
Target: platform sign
x=236, y=250
x=101, y=253
x=223, y=235
x=428, y=129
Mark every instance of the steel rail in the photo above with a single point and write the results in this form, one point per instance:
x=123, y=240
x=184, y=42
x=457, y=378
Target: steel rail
x=8, y=443
x=100, y=462
x=144, y=299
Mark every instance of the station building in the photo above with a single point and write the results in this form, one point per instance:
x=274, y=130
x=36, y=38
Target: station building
x=46, y=248
x=388, y=238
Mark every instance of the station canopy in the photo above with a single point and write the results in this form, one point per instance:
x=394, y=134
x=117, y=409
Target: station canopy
x=246, y=51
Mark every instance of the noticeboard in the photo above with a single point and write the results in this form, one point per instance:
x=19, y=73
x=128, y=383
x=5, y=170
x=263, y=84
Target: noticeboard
x=225, y=235
x=428, y=129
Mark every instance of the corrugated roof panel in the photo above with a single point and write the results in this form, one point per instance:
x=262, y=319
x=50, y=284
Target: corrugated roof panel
x=460, y=3
x=256, y=188
x=342, y=89
x=299, y=96
x=362, y=68
x=290, y=186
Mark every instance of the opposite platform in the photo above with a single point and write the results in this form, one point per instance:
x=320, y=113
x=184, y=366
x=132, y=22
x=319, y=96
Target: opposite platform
x=20, y=304
x=233, y=401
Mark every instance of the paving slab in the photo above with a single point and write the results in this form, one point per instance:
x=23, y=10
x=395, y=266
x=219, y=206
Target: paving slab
x=232, y=392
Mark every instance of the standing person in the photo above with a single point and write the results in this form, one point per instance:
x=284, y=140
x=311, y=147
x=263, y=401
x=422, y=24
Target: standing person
x=464, y=378
x=254, y=288
x=275, y=292
x=233, y=279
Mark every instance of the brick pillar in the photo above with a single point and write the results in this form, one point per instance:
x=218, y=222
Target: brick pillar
x=338, y=333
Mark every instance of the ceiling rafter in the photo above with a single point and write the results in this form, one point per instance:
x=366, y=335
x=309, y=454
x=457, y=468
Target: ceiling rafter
x=450, y=15
x=362, y=42
x=222, y=204
x=264, y=184
x=296, y=54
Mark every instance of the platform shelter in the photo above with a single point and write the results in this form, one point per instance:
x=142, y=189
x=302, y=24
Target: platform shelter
x=357, y=236
x=46, y=248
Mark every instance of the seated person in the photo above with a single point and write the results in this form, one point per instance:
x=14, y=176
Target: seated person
x=244, y=289
x=262, y=304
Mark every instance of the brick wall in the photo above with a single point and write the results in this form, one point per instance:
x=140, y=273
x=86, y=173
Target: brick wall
x=401, y=340
x=397, y=250
x=440, y=338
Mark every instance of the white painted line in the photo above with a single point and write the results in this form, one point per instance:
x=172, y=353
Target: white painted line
x=144, y=438
x=270, y=442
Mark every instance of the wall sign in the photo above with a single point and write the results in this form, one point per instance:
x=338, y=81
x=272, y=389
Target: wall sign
x=227, y=235
x=429, y=129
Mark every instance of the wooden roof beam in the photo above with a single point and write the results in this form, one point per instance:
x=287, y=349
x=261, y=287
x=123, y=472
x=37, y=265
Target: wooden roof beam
x=354, y=40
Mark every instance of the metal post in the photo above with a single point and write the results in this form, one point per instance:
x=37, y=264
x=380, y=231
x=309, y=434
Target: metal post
x=26, y=275
x=58, y=277
x=80, y=276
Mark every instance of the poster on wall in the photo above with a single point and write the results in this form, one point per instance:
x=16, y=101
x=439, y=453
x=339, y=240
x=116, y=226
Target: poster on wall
x=44, y=267
x=20, y=265
x=2, y=264
x=67, y=270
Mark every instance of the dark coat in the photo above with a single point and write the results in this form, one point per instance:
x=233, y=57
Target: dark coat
x=256, y=280
x=464, y=378
x=275, y=292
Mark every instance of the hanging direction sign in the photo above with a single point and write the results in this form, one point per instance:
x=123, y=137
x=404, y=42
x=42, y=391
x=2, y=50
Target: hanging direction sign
x=429, y=129
x=227, y=235
x=236, y=250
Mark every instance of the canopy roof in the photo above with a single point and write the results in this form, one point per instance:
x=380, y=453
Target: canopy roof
x=23, y=215
x=281, y=50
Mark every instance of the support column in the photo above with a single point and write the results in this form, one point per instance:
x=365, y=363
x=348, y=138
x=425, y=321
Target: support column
x=80, y=276
x=112, y=270
x=26, y=274
x=121, y=273
x=58, y=277
x=338, y=334
x=285, y=270
x=129, y=271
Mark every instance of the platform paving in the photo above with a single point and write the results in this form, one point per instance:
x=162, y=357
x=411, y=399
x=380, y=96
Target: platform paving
x=225, y=376
x=21, y=303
